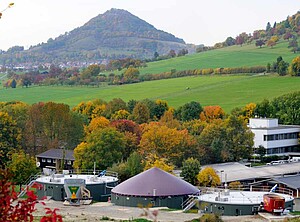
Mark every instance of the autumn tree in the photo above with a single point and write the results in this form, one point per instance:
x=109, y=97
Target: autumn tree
x=167, y=143
x=9, y=138
x=19, y=113
x=96, y=124
x=168, y=120
x=190, y=169
x=294, y=68
x=271, y=43
x=249, y=111
x=208, y=177
x=131, y=75
x=91, y=70
x=210, y=113
x=140, y=113
x=120, y=114
x=161, y=163
x=91, y=109
x=22, y=167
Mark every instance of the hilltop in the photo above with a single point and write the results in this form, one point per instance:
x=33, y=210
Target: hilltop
x=115, y=34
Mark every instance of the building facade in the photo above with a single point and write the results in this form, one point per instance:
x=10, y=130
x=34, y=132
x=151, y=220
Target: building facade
x=282, y=140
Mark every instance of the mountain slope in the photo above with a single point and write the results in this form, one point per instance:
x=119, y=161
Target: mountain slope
x=114, y=34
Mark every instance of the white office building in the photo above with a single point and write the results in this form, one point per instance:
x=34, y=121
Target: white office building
x=277, y=139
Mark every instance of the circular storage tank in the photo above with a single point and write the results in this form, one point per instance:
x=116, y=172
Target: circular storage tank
x=53, y=185
x=235, y=203
x=153, y=187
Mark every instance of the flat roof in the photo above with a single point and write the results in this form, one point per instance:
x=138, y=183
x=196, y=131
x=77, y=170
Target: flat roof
x=277, y=127
x=89, y=179
x=236, y=171
x=239, y=197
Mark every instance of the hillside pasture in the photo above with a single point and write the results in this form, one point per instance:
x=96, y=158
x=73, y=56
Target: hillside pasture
x=233, y=56
x=228, y=91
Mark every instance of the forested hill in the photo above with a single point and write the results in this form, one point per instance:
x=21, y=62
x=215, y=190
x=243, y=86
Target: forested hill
x=114, y=34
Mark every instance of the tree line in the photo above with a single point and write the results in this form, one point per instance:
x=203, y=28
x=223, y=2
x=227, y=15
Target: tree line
x=93, y=76
x=287, y=30
x=135, y=133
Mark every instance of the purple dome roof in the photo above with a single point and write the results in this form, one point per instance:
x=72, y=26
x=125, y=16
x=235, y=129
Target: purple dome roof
x=154, y=182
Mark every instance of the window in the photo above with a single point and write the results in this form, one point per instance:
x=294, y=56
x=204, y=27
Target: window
x=53, y=161
x=43, y=160
x=48, y=160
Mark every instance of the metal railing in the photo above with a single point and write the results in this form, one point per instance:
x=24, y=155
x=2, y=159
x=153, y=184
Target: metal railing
x=190, y=201
x=281, y=190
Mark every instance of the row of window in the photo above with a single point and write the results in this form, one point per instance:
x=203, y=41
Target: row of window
x=279, y=150
x=281, y=136
x=69, y=162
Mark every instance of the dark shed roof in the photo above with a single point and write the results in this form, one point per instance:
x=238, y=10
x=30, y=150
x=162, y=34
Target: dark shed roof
x=154, y=182
x=291, y=181
x=57, y=154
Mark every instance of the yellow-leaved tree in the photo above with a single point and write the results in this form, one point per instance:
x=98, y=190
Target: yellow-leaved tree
x=208, y=177
x=162, y=163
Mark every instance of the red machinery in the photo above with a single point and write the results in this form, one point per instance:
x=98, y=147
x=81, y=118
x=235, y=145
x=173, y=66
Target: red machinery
x=273, y=203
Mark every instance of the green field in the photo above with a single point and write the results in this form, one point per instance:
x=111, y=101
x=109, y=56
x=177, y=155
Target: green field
x=226, y=91
x=234, y=56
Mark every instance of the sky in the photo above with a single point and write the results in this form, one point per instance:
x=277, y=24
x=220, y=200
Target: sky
x=30, y=22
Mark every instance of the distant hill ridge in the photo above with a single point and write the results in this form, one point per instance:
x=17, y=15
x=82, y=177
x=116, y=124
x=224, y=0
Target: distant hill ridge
x=114, y=34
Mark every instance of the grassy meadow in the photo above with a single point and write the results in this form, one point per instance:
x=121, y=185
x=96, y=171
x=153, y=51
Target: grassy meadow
x=234, y=56
x=227, y=91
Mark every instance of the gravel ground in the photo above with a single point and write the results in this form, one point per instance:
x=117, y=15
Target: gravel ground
x=96, y=211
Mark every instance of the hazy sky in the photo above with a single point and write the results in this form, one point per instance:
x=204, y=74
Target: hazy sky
x=31, y=22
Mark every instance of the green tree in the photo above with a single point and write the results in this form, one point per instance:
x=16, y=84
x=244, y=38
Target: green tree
x=190, y=170
x=104, y=147
x=131, y=104
x=282, y=68
x=287, y=108
x=239, y=138
x=208, y=177
x=263, y=109
x=189, y=111
x=261, y=151
x=229, y=41
x=113, y=106
x=134, y=164
x=9, y=138
x=22, y=167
